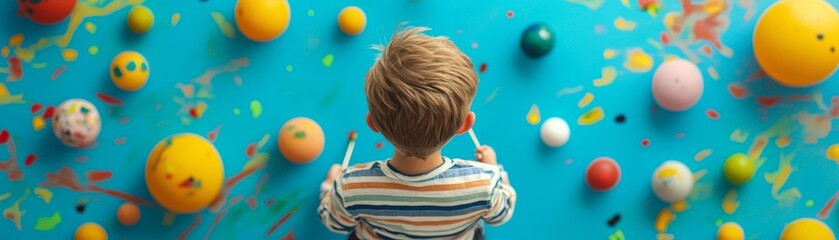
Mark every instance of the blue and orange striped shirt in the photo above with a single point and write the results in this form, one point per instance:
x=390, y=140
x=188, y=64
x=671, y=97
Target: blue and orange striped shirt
x=378, y=202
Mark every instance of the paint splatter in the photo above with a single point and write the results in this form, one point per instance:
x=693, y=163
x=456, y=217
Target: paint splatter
x=10, y=166
x=279, y=222
x=730, y=202
x=638, y=61
x=663, y=220
x=590, y=4
x=608, y=75
x=93, y=50
x=197, y=111
x=81, y=205
x=124, y=120
x=110, y=100
x=645, y=142
x=168, y=218
x=379, y=145
x=482, y=68
x=767, y=101
x=491, y=96
x=533, y=116
x=48, y=223
x=38, y=123
x=779, y=178
x=614, y=220
x=701, y=155
x=608, y=54
x=585, y=100
x=618, y=235
x=327, y=60
x=250, y=150
x=67, y=178
x=90, y=27
x=44, y=194
x=256, y=109
x=713, y=73
x=69, y=54
x=8, y=98
x=825, y=212
x=35, y=107
x=705, y=20
x=510, y=14
x=4, y=136
x=237, y=111
x=818, y=125
x=310, y=13
x=191, y=227
x=591, y=117
x=15, y=69
x=624, y=25
x=58, y=71
x=738, y=136
x=223, y=25
x=569, y=90
x=213, y=134
x=120, y=141
x=257, y=162
x=176, y=17
x=14, y=213
x=4, y=196
x=783, y=141
x=749, y=6
x=809, y=203
x=712, y=114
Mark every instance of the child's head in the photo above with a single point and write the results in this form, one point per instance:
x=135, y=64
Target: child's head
x=419, y=92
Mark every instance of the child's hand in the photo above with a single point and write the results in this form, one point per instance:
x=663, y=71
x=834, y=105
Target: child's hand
x=486, y=154
x=334, y=172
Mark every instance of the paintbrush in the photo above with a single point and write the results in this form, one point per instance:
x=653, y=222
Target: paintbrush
x=474, y=138
x=352, y=136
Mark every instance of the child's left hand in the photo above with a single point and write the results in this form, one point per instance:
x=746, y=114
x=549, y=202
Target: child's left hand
x=334, y=172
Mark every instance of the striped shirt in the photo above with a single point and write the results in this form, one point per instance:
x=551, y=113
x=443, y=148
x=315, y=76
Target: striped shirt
x=378, y=202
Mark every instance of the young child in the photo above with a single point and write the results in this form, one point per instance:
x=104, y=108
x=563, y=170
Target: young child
x=419, y=92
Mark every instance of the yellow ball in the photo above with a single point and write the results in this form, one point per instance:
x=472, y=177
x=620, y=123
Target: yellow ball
x=262, y=20
x=90, y=231
x=352, y=20
x=730, y=231
x=140, y=19
x=833, y=152
x=129, y=71
x=797, y=42
x=184, y=173
x=807, y=228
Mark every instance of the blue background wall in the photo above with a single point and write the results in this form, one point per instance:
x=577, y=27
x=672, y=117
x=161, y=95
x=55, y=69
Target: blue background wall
x=288, y=77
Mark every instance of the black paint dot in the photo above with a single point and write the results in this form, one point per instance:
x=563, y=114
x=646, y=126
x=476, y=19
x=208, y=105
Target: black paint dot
x=80, y=207
x=820, y=36
x=614, y=220
x=620, y=118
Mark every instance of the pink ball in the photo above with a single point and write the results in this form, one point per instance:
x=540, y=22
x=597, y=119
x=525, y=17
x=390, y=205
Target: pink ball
x=677, y=85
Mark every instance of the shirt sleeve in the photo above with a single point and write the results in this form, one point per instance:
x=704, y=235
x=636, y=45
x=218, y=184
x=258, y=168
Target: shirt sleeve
x=502, y=201
x=331, y=209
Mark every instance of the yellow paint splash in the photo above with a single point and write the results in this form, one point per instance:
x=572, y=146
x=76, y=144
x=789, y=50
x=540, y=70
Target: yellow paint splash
x=176, y=17
x=832, y=153
x=730, y=202
x=779, y=178
x=783, y=141
x=609, y=74
x=679, y=206
x=90, y=27
x=699, y=174
x=225, y=26
x=701, y=155
x=663, y=220
x=638, y=61
x=585, y=100
x=13, y=212
x=590, y=4
x=624, y=25
x=5, y=195
x=609, y=54
x=38, y=124
x=713, y=73
x=69, y=54
x=44, y=193
x=664, y=236
x=625, y=3
x=8, y=98
x=533, y=116
x=591, y=117
x=16, y=40
x=738, y=136
x=93, y=50
x=200, y=109
x=5, y=51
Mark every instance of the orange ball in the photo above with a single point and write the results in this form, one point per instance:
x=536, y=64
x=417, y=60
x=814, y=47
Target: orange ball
x=301, y=140
x=90, y=231
x=352, y=20
x=128, y=214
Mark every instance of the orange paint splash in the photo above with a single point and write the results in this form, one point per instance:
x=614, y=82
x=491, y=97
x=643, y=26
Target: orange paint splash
x=779, y=178
x=663, y=220
x=13, y=212
x=11, y=166
x=730, y=202
x=767, y=101
x=712, y=114
x=67, y=178
x=200, y=88
x=15, y=69
x=737, y=91
x=825, y=212
x=701, y=155
x=705, y=20
x=783, y=141
x=255, y=163
x=818, y=125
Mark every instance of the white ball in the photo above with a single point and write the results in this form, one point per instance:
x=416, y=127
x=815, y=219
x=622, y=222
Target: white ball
x=555, y=132
x=76, y=123
x=672, y=181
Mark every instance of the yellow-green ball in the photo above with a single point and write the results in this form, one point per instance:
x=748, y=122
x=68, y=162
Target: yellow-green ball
x=738, y=169
x=140, y=19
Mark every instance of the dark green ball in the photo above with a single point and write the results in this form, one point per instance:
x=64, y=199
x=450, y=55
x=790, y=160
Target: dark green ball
x=537, y=40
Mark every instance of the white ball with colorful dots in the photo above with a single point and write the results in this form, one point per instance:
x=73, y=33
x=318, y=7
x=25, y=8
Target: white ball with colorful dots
x=672, y=181
x=76, y=123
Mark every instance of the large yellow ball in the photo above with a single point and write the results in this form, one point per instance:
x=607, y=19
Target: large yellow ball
x=807, y=228
x=90, y=231
x=262, y=20
x=129, y=71
x=352, y=20
x=184, y=173
x=796, y=42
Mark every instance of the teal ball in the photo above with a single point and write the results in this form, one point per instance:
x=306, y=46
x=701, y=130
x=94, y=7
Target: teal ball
x=537, y=40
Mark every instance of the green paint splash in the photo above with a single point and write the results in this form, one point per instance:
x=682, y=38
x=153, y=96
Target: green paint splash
x=48, y=223
x=256, y=109
x=236, y=111
x=289, y=68
x=618, y=235
x=300, y=135
x=331, y=96
x=327, y=60
x=225, y=26
x=311, y=13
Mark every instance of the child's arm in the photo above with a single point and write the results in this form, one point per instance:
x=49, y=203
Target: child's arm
x=331, y=210
x=503, y=196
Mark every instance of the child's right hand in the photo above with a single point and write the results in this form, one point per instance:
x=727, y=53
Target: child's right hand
x=486, y=154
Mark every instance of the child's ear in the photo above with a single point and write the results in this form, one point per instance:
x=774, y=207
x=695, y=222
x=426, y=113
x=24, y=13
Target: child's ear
x=370, y=123
x=467, y=123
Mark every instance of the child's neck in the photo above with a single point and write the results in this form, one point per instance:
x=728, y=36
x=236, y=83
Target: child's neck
x=413, y=165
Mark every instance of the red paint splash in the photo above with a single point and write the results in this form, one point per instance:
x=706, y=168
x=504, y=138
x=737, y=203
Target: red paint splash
x=191, y=227
x=737, y=91
x=665, y=39
x=10, y=166
x=707, y=50
x=81, y=159
x=755, y=76
x=828, y=206
x=35, y=108
x=767, y=101
x=4, y=136
x=269, y=202
x=279, y=222
x=30, y=159
x=120, y=141
x=216, y=220
x=58, y=71
x=645, y=142
x=236, y=199
x=654, y=110
x=67, y=178
x=113, y=101
x=251, y=202
x=193, y=112
x=252, y=199
x=483, y=68
x=212, y=135
x=49, y=112
x=15, y=69
x=124, y=120
x=712, y=114
x=379, y=145
x=510, y=14
x=289, y=235
x=250, y=150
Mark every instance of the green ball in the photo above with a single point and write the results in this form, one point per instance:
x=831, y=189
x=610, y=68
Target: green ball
x=537, y=40
x=738, y=169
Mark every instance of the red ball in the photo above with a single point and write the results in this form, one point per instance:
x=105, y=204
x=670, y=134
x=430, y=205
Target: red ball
x=603, y=174
x=46, y=11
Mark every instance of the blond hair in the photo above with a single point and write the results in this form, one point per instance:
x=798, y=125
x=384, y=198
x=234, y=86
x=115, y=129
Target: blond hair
x=419, y=91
